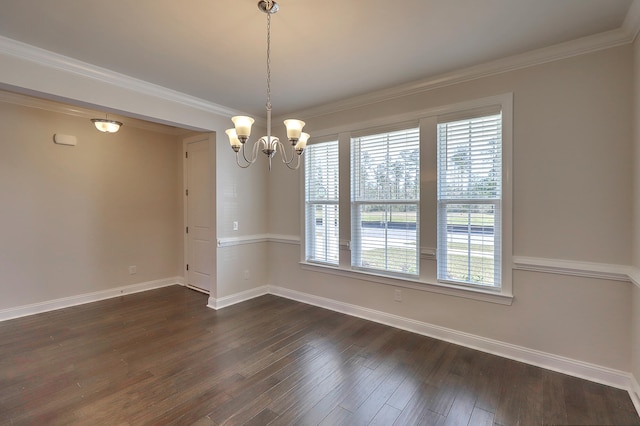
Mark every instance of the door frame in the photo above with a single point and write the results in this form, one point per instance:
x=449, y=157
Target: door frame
x=211, y=137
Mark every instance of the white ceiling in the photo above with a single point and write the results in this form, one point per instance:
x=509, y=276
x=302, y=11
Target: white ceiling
x=322, y=51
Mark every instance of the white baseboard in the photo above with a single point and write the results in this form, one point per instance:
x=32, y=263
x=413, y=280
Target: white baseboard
x=588, y=371
x=634, y=392
x=225, y=301
x=592, y=372
x=65, y=302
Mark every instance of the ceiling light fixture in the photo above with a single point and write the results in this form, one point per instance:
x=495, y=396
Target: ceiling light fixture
x=239, y=135
x=105, y=125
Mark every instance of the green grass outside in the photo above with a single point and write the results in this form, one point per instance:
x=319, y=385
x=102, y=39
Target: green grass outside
x=481, y=269
x=399, y=260
x=403, y=261
x=475, y=248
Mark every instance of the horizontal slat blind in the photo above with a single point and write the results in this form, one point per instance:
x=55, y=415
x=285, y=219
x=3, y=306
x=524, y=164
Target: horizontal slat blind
x=469, y=200
x=385, y=188
x=321, y=203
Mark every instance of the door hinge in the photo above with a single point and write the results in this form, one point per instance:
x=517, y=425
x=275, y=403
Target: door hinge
x=187, y=266
x=186, y=154
x=186, y=192
x=187, y=229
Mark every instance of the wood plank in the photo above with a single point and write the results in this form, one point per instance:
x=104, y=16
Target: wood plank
x=162, y=357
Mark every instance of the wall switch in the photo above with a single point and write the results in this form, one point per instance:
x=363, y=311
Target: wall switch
x=235, y=225
x=246, y=274
x=133, y=269
x=397, y=296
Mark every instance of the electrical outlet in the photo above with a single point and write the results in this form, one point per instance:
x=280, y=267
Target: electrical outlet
x=235, y=225
x=133, y=269
x=397, y=296
x=246, y=274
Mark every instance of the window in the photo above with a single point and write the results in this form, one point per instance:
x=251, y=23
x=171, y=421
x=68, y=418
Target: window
x=321, y=203
x=425, y=198
x=469, y=201
x=385, y=201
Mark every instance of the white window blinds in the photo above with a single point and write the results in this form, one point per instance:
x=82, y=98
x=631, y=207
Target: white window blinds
x=321, y=203
x=385, y=200
x=469, y=200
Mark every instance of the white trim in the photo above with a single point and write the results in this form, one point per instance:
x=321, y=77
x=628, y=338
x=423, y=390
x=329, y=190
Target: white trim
x=258, y=238
x=70, y=65
x=593, y=43
x=505, y=100
x=634, y=392
x=246, y=239
x=573, y=268
x=83, y=112
x=595, y=373
x=581, y=46
x=66, y=302
x=631, y=22
x=198, y=289
x=415, y=284
x=634, y=276
x=233, y=299
x=284, y=239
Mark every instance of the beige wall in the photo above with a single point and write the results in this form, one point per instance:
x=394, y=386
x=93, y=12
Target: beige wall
x=572, y=180
x=635, y=320
x=242, y=197
x=74, y=218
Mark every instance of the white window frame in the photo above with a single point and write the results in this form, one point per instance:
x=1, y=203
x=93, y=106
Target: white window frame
x=358, y=201
x=310, y=242
x=465, y=199
x=427, y=280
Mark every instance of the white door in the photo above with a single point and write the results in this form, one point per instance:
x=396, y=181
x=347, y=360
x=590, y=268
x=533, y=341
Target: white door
x=198, y=191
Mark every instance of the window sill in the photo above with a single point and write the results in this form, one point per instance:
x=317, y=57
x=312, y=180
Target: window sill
x=415, y=284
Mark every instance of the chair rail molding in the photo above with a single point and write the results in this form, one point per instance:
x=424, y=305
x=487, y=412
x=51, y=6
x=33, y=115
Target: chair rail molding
x=575, y=268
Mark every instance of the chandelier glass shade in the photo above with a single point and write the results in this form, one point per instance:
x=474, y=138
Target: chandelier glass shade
x=239, y=135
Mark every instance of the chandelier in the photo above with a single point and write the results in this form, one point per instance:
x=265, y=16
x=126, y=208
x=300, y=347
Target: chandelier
x=239, y=135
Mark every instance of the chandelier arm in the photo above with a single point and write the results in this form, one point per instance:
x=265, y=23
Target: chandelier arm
x=247, y=164
x=297, y=164
x=254, y=155
x=286, y=160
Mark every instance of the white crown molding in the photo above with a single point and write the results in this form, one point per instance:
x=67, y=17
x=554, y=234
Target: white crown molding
x=603, y=271
x=621, y=36
x=631, y=24
x=78, y=111
x=80, y=299
x=584, y=45
x=64, y=63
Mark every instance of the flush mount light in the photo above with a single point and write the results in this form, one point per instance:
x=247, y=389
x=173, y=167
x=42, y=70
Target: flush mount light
x=105, y=125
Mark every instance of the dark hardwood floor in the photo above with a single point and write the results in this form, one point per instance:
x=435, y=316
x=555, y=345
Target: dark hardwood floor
x=162, y=357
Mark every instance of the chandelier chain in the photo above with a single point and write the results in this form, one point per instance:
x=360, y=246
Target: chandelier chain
x=268, y=60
